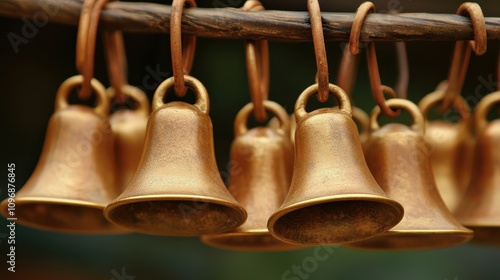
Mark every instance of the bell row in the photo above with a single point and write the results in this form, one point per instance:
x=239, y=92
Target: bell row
x=309, y=179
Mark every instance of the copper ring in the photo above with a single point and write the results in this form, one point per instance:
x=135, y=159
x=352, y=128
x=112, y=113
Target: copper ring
x=202, y=101
x=182, y=52
x=257, y=61
x=319, y=49
x=344, y=105
x=102, y=107
x=240, y=122
x=418, y=119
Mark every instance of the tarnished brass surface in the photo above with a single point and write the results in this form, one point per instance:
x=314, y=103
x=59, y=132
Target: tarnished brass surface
x=450, y=149
x=480, y=208
x=73, y=180
x=333, y=197
x=129, y=130
x=177, y=189
x=397, y=157
x=262, y=163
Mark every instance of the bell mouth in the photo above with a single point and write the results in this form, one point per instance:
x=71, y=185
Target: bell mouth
x=62, y=215
x=255, y=240
x=337, y=220
x=406, y=240
x=176, y=215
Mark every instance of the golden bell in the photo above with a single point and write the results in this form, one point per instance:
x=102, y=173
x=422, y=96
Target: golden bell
x=480, y=208
x=398, y=158
x=333, y=198
x=451, y=147
x=177, y=189
x=262, y=160
x=129, y=130
x=71, y=183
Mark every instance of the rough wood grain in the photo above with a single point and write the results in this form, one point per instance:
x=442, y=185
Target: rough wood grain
x=272, y=25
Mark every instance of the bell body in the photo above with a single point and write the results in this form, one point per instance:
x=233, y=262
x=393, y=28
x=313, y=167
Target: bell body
x=261, y=172
x=177, y=189
x=129, y=130
x=398, y=159
x=333, y=198
x=73, y=180
x=451, y=159
x=480, y=208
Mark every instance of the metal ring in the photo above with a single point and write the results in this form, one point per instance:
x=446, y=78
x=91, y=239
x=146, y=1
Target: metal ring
x=102, y=104
x=342, y=98
x=482, y=109
x=319, y=49
x=418, y=119
x=136, y=95
x=462, y=52
x=202, y=101
x=436, y=97
x=241, y=120
x=257, y=61
x=182, y=52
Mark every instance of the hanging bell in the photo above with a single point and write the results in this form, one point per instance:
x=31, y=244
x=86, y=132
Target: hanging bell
x=262, y=160
x=451, y=147
x=129, y=130
x=71, y=183
x=177, y=189
x=333, y=198
x=398, y=158
x=480, y=208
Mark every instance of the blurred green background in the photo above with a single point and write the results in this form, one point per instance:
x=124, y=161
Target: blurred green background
x=29, y=80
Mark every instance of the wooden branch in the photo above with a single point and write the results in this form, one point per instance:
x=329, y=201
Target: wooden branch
x=272, y=25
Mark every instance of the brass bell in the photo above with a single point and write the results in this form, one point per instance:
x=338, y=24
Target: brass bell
x=129, y=130
x=262, y=160
x=73, y=181
x=177, y=189
x=398, y=158
x=480, y=208
x=451, y=147
x=333, y=198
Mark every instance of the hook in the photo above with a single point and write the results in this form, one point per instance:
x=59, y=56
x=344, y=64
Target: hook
x=117, y=63
x=462, y=52
x=347, y=71
x=84, y=63
x=257, y=61
x=319, y=49
x=371, y=55
x=182, y=52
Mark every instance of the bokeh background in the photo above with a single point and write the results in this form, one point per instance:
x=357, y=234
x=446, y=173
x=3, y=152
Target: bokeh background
x=29, y=80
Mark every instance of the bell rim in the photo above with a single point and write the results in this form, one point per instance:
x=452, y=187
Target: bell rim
x=84, y=230
x=219, y=241
x=172, y=197
x=328, y=199
x=113, y=206
x=465, y=236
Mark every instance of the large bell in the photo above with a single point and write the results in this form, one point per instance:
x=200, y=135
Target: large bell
x=480, y=208
x=73, y=180
x=451, y=147
x=262, y=160
x=333, y=198
x=398, y=157
x=177, y=189
x=129, y=130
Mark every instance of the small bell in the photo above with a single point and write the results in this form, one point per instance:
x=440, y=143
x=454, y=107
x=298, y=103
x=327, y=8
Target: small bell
x=398, y=158
x=177, y=189
x=480, y=207
x=129, y=130
x=333, y=198
x=451, y=145
x=263, y=160
x=71, y=183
